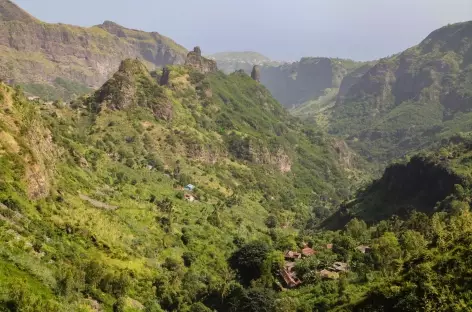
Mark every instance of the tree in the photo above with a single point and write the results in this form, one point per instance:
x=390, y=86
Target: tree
x=93, y=273
x=255, y=300
x=344, y=246
x=199, y=307
x=419, y=222
x=387, y=252
x=271, y=222
x=357, y=229
x=323, y=259
x=413, y=243
x=119, y=305
x=248, y=260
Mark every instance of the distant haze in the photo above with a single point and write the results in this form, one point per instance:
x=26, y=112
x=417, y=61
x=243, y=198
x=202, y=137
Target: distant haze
x=282, y=30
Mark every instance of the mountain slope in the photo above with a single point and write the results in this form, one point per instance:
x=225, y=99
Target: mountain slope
x=58, y=60
x=412, y=99
x=308, y=86
x=10, y=12
x=113, y=227
x=424, y=184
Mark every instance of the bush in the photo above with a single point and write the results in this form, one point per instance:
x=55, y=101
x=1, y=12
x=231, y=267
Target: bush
x=248, y=260
x=199, y=307
x=271, y=222
x=189, y=258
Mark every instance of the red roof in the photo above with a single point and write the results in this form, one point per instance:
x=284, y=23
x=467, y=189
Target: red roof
x=307, y=251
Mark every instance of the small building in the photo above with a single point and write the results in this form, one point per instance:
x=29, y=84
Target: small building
x=289, y=265
x=189, y=187
x=33, y=98
x=292, y=255
x=340, y=267
x=308, y=252
x=290, y=278
x=329, y=246
x=189, y=197
x=364, y=249
x=327, y=274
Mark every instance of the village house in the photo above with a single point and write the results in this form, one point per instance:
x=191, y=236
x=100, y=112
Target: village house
x=339, y=267
x=292, y=255
x=328, y=274
x=329, y=246
x=307, y=251
x=189, y=187
x=189, y=197
x=289, y=275
x=364, y=249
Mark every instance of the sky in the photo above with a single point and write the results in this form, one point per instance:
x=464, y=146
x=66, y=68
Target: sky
x=281, y=30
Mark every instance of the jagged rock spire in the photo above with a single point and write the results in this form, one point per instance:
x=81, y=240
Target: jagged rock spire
x=197, y=51
x=165, y=76
x=200, y=63
x=256, y=73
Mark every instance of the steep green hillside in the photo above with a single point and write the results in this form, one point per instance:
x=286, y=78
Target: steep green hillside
x=414, y=255
x=93, y=213
x=308, y=86
x=62, y=61
x=424, y=183
x=412, y=99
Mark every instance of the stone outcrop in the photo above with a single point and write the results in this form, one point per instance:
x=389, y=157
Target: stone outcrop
x=132, y=85
x=256, y=73
x=200, y=63
x=164, y=80
x=35, y=52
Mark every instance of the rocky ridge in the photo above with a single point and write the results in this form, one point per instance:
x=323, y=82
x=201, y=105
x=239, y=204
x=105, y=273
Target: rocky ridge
x=35, y=53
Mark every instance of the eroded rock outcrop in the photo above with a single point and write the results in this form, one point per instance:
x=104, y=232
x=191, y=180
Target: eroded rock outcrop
x=200, y=63
x=256, y=73
x=164, y=80
x=133, y=85
x=32, y=51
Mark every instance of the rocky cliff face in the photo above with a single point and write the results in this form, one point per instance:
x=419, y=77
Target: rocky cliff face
x=200, y=63
x=411, y=99
x=35, y=52
x=307, y=80
x=131, y=86
x=293, y=84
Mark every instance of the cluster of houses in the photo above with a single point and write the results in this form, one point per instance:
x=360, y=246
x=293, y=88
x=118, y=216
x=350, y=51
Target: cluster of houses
x=289, y=275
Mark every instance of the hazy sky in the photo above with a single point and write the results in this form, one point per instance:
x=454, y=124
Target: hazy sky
x=284, y=30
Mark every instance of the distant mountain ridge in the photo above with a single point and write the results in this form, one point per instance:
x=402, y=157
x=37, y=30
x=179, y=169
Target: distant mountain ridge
x=244, y=56
x=412, y=99
x=36, y=54
x=310, y=82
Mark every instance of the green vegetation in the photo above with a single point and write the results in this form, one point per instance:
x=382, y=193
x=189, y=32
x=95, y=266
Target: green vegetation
x=97, y=212
x=92, y=208
x=61, y=89
x=60, y=61
x=411, y=100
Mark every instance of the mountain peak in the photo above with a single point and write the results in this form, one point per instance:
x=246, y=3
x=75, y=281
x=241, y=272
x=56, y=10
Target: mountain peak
x=9, y=11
